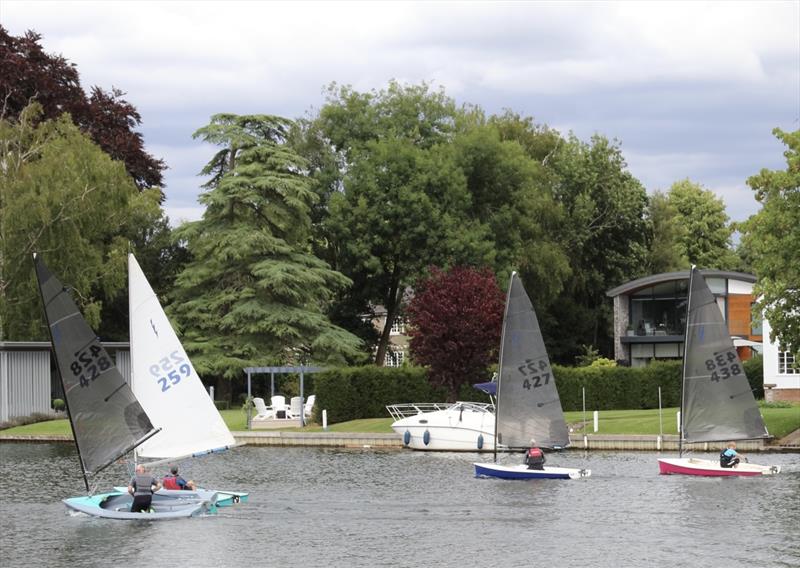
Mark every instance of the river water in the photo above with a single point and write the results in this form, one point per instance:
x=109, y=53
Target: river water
x=336, y=507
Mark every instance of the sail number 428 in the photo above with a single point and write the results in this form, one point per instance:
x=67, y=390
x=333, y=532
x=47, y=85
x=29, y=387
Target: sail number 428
x=723, y=366
x=174, y=367
x=89, y=364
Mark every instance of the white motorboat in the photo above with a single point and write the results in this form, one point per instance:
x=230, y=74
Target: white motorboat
x=451, y=427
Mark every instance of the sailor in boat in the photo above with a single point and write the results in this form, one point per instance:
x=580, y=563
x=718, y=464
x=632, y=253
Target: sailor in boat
x=142, y=487
x=174, y=481
x=729, y=457
x=534, y=457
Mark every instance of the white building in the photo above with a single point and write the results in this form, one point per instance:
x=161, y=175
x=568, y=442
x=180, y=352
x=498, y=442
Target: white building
x=781, y=378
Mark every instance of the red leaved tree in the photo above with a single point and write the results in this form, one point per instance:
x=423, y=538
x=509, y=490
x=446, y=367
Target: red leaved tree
x=455, y=320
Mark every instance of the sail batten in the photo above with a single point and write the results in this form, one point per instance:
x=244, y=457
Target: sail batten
x=165, y=381
x=718, y=403
x=528, y=405
x=106, y=419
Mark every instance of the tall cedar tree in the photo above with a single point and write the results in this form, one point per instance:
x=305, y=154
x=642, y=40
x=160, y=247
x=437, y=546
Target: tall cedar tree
x=455, y=321
x=27, y=73
x=253, y=294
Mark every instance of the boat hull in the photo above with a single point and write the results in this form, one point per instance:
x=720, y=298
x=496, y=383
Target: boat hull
x=708, y=468
x=219, y=498
x=463, y=427
x=522, y=472
x=117, y=505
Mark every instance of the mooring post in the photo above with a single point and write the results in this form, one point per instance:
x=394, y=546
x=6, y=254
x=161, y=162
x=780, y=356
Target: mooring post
x=596, y=421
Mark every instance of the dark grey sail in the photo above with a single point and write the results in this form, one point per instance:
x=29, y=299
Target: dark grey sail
x=528, y=406
x=717, y=403
x=107, y=421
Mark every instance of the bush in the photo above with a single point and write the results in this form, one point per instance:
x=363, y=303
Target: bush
x=222, y=404
x=754, y=369
x=24, y=420
x=58, y=404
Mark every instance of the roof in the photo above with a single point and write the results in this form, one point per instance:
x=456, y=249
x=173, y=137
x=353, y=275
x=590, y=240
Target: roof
x=646, y=281
x=45, y=345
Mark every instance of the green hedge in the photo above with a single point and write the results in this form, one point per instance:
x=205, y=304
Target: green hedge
x=352, y=393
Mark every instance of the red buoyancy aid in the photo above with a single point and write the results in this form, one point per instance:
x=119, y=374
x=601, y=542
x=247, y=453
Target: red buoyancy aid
x=534, y=453
x=171, y=482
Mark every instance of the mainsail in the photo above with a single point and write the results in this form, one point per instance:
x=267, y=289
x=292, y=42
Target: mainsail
x=165, y=382
x=107, y=421
x=717, y=403
x=528, y=406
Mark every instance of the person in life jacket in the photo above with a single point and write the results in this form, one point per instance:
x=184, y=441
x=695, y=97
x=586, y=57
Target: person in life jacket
x=534, y=457
x=174, y=481
x=142, y=486
x=729, y=457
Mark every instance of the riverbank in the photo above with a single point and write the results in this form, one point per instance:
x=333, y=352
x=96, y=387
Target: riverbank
x=590, y=442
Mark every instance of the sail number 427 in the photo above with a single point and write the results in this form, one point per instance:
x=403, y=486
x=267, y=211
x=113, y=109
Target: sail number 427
x=723, y=366
x=174, y=367
x=535, y=375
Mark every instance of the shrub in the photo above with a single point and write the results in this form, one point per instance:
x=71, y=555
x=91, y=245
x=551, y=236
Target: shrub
x=58, y=404
x=222, y=404
x=754, y=369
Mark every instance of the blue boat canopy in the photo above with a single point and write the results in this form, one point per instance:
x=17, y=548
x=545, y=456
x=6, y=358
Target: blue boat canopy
x=488, y=388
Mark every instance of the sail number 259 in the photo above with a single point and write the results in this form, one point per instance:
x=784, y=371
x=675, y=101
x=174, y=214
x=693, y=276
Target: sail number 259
x=723, y=366
x=174, y=367
x=534, y=373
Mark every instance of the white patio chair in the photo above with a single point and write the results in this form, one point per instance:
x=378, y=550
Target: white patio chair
x=278, y=406
x=295, y=408
x=263, y=412
x=309, y=405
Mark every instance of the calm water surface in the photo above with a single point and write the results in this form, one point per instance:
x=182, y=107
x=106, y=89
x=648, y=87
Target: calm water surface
x=318, y=507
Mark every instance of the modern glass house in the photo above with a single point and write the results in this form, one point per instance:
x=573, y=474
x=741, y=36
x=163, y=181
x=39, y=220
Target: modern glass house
x=650, y=314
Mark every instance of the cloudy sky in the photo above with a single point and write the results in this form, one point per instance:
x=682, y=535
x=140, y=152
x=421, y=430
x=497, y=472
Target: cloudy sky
x=689, y=89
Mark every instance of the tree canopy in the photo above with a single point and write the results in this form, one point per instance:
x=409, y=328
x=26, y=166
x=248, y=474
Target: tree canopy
x=252, y=293
x=773, y=238
x=28, y=73
x=62, y=196
x=455, y=321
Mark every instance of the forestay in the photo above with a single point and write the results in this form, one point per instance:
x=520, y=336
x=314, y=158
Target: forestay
x=528, y=405
x=718, y=404
x=166, y=383
x=107, y=421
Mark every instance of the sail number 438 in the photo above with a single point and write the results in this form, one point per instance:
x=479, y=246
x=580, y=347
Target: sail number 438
x=723, y=366
x=174, y=367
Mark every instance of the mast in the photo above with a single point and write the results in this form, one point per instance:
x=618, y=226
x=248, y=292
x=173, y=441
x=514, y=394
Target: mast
x=685, y=350
x=64, y=388
x=500, y=365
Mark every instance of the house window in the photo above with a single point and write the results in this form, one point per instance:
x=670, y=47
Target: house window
x=756, y=323
x=786, y=363
x=398, y=327
x=394, y=358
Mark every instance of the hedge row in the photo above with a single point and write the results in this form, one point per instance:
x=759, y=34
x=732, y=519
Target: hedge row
x=363, y=392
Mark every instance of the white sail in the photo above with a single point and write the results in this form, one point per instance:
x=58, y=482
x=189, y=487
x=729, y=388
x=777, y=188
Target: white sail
x=165, y=382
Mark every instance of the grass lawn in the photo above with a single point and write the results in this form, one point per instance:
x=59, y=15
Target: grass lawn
x=780, y=421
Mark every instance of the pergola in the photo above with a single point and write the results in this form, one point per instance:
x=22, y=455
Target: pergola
x=272, y=371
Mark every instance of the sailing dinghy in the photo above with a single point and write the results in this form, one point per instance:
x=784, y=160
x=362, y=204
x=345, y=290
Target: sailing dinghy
x=717, y=404
x=106, y=419
x=168, y=388
x=528, y=406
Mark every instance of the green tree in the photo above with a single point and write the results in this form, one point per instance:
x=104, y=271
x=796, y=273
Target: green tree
x=706, y=235
x=392, y=199
x=773, y=238
x=252, y=292
x=667, y=246
x=62, y=196
x=605, y=233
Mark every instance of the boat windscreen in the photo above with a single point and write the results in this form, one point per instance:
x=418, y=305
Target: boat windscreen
x=488, y=388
